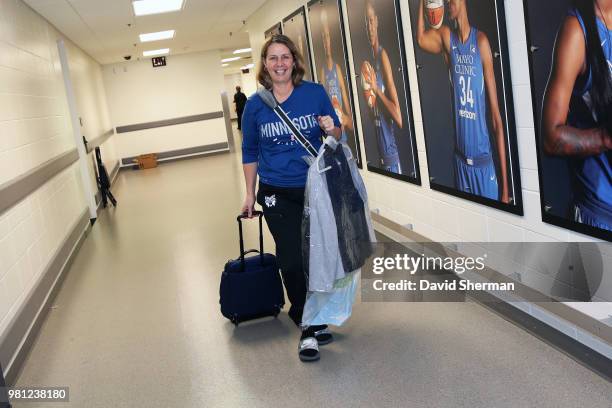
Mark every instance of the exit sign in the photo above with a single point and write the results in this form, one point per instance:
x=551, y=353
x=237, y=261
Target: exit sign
x=158, y=61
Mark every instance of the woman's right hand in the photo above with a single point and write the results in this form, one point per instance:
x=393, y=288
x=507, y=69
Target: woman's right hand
x=247, y=206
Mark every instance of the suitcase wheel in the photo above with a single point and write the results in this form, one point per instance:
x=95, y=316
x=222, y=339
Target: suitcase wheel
x=277, y=312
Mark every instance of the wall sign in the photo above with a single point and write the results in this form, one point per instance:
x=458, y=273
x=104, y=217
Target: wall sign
x=158, y=62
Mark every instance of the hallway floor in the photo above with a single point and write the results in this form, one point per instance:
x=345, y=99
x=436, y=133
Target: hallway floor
x=137, y=324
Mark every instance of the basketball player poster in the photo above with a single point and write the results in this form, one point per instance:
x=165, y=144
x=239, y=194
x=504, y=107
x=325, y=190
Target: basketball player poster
x=330, y=64
x=571, y=81
x=466, y=100
x=294, y=27
x=275, y=29
x=384, y=95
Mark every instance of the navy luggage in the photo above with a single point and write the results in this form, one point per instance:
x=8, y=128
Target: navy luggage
x=251, y=287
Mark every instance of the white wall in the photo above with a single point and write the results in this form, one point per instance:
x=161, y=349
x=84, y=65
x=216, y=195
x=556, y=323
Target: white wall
x=445, y=218
x=266, y=16
x=231, y=81
x=249, y=82
x=90, y=95
x=190, y=84
x=34, y=128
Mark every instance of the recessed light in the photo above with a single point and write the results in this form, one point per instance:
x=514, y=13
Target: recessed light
x=147, y=7
x=247, y=66
x=160, y=35
x=225, y=65
x=230, y=59
x=241, y=51
x=156, y=52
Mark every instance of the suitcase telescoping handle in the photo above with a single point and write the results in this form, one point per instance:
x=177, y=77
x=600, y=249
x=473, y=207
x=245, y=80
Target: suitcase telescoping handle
x=259, y=215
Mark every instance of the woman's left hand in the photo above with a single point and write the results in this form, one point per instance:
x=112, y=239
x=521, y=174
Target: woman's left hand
x=327, y=124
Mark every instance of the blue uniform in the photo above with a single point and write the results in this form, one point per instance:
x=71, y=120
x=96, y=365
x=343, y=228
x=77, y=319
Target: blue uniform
x=268, y=141
x=474, y=167
x=593, y=174
x=332, y=84
x=385, y=126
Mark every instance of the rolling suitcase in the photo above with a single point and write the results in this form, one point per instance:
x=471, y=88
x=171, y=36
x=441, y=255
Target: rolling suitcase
x=251, y=287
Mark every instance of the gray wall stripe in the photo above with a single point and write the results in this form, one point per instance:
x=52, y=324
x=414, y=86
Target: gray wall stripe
x=93, y=143
x=114, y=172
x=23, y=329
x=15, y=190
x=228, y=122
x=169, y=122
x=585, y=322
x=180, y=152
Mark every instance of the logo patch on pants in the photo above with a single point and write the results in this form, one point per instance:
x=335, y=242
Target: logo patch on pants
x=270, y=200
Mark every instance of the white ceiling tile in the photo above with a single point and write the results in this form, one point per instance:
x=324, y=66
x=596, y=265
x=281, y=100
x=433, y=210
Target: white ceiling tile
x=101, y=29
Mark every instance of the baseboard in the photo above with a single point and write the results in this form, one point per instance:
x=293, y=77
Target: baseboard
x=115, y=172
x=23, y=330
x=571, y=347
x=4, y=399
x=182, y=154
x=580, y=351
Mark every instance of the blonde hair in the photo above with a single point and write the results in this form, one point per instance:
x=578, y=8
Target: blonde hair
x=263, y=77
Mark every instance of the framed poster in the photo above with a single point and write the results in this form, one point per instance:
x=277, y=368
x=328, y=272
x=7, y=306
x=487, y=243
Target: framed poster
x=294, y=27
x=569, y=81
x=379, y=58
x=275, y=29
x=465, y=90
x=331, y=65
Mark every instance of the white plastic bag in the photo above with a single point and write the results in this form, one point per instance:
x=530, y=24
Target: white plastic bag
x=333, y=307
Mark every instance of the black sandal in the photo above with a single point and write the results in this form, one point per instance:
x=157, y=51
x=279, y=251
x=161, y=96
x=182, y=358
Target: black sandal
x=323, y=336
x=308, y=349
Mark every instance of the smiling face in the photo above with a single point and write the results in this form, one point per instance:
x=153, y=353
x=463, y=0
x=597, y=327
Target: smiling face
x=279, y=63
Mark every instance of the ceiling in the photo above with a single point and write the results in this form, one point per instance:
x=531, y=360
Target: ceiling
x=108, y=30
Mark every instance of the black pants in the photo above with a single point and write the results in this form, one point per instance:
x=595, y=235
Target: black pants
x=239, y=116
x=283, y=209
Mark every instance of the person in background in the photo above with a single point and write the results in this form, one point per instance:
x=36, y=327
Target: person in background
x=239, y=100
x=270, y=151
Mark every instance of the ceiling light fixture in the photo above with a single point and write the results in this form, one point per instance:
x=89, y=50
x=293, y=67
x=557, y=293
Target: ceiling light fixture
x=230, y=59
x=225, y=65
x=147, y=7
x=160, y=35
x=247, y=66
x=156, y=52
x=241, y=51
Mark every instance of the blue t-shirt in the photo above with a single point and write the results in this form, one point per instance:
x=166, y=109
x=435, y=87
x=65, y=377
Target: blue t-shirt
x=268, y=141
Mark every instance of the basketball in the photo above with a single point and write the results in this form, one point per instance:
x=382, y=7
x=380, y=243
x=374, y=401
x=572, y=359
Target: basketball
x=367, y=77
x=435, y=12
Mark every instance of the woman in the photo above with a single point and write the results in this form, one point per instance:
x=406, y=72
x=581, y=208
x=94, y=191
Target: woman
x=333, y=80
x=467, y=53
x=385, y=106
x=577, y=111
x=270, y=151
